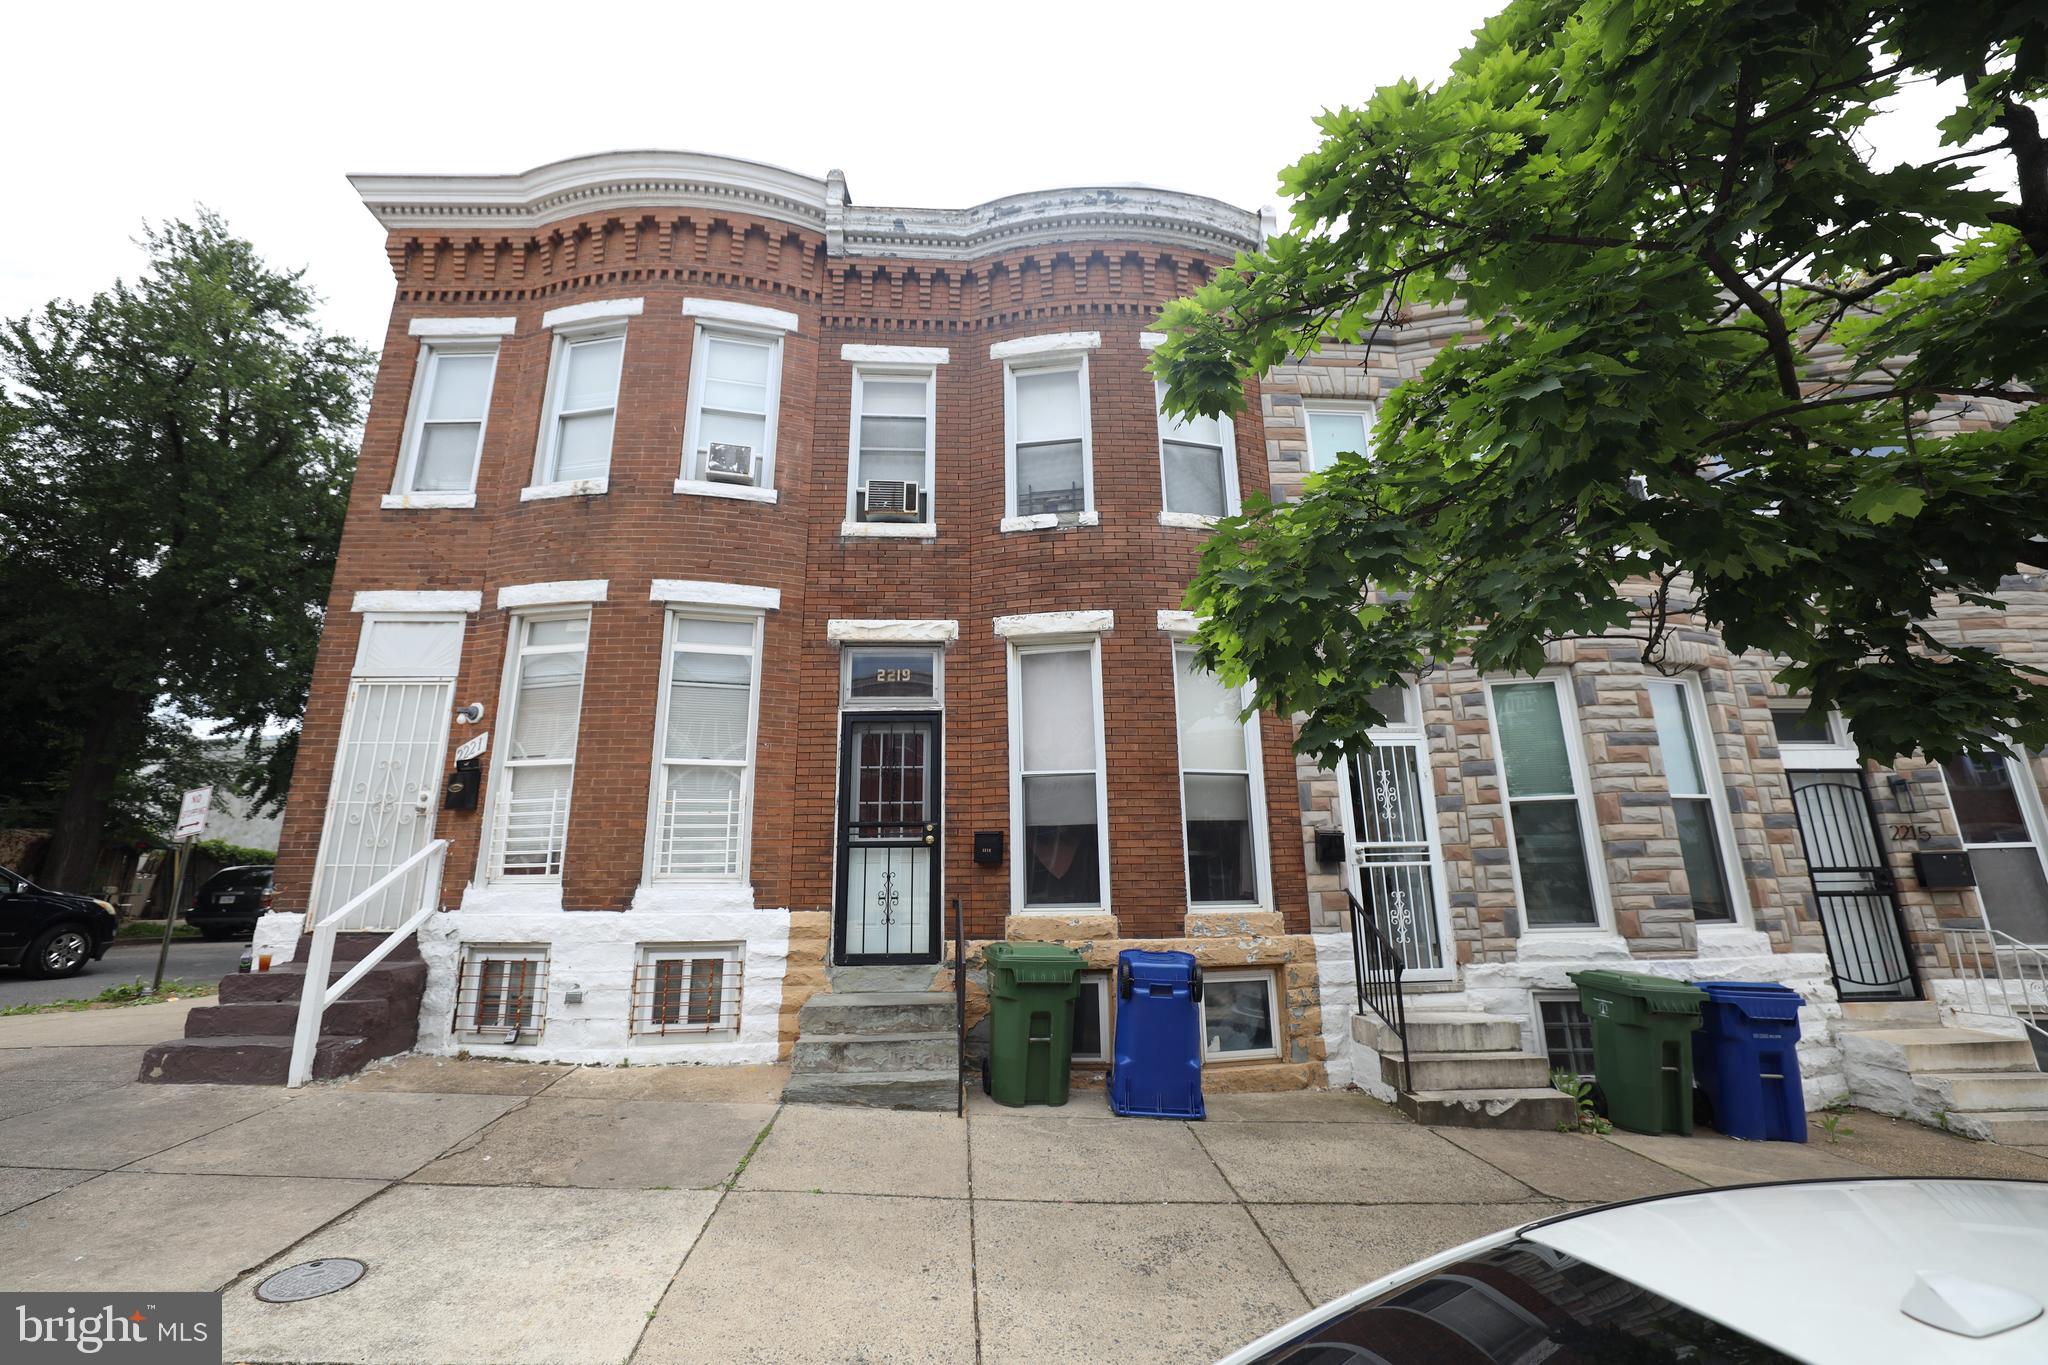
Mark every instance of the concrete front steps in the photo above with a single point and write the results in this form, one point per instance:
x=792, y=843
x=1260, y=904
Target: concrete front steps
x=1466, y=1070
x=246, y=1039
x=877, y=1041
x=1901, y=1059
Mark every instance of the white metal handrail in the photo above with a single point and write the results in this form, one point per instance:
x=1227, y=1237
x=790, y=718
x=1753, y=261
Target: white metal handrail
x=315, y=997
x=2020, y=993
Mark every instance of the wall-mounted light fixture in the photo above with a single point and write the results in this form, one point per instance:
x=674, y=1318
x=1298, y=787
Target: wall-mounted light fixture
x=1905, y=793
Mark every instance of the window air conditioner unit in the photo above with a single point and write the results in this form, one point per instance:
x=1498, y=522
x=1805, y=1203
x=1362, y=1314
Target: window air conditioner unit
x=726, y=463
x=890, y=500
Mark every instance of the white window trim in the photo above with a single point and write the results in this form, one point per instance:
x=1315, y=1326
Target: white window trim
x=1415, y=733
x=928, y=528
x=1366, y=406
x=1590, y=846
x=1105, y=1016
x=691, y=592
x=1226, y=431
x=643, y=1027
x=1709, y=759
x=1093, y=644
x=686, y=482
x=387, y=601
x=425, y=364
x=920, y=357
x=499, y=786
x=935, y=702
x=460, y=329
x=1255, y=777
x=745, y=315
x=566, y=488
x=1837, y=755
x=841, y=631
x=1052, y=343
x=1180, y=622
x=468, y=1028
x=553, y=594
x=1055, y=625
x=1063, y=358
x=1272, y=1015
x=2019, y=770
x=709, y=611
x=581, y=316
x=544, y=452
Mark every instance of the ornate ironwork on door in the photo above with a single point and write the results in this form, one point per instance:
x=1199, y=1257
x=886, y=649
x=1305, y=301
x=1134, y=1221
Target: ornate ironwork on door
x=1391, y=848
x=1858, y=898
x=889, y=841
x=386, y=782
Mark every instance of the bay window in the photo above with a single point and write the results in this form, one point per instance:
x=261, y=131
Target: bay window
x=1704, y=832
x=1549, y=808
x=1198, y=464
x=1049, y=469
x=735, y=385
x=704, y=755
x=530, y=808
x=1056, y=777
x=1337, y=429
x=445, y=430
x=890, y=459
x=1219, y=791
x=583, y=400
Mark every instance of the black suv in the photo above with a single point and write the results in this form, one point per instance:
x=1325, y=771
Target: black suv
x=231, y=902
x=50, y=933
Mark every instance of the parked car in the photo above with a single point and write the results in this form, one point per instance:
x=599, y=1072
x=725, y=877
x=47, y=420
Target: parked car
x=231, y=901
x=51, y=933
x=1927, y=1271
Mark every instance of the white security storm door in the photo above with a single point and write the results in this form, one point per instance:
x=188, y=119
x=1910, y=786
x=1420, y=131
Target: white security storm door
x=387, y=776
x=1396, y=870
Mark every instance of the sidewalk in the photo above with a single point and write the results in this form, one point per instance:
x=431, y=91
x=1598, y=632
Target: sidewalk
x=514, y=1212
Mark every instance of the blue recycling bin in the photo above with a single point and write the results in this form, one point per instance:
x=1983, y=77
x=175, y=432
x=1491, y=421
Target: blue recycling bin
x=1745, y=1056
x=1156, y=1071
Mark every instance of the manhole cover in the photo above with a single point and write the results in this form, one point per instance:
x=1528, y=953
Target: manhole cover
x=310, y=1279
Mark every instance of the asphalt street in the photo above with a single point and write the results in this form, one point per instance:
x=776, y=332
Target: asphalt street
x=191, y=960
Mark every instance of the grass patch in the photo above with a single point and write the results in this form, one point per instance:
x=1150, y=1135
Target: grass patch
x=153, y=930
x=119, y=997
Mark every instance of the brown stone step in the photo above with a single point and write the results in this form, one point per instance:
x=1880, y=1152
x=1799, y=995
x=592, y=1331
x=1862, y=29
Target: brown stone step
x=252, y=1019
x=387, y=980
x=248, y=1061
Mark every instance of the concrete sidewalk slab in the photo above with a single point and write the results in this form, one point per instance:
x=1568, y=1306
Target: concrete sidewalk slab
x=783, y=1278
x=338, y=1133
x=503, y=1275
x=1081, y=1104
x=1094, y=1282
x=1334, y=1248
x=416, y=1073
x=1352, y=1163
x=704, y=1084
x=630, y=1144
x=861, y=1151
x=33, y=1078
x=21, y=1185
x=1724, y=1161
x=1575, y=1167
x=1104, y=1160
x=114, y=1127
x=137, y=1231
x=99, y=1028
x=1902, y=1147
x=1302, y=1106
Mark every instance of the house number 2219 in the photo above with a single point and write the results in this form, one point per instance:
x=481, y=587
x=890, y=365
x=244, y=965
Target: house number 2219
x=892, y=675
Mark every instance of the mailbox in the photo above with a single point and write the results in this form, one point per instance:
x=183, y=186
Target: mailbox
x=988, y=847
x=1944, y=871
x=1329, y=847
x=460, y=791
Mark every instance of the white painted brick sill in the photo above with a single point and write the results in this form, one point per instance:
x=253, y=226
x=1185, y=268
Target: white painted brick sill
x=888, y=530
x=412, y=502
x=567, y=488
x=1047, y=521
x=1190, y=521
x=738, y=492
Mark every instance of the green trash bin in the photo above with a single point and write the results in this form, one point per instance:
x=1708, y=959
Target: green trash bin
x=1031, y=989
x=1642, y=1047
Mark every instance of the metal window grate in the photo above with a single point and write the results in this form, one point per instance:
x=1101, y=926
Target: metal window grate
x=502, y=995
x=685, y=993
x=700, y=836
x=1567, y=1037
x=530, y=833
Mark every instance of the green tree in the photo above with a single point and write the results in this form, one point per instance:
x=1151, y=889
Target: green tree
x=1678, y=248
x=175, y=456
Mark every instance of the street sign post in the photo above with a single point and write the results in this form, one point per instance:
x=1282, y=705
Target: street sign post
x=192, y=811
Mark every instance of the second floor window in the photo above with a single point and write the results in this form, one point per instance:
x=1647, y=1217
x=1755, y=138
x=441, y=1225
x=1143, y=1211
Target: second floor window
x=735, y=379
x=1199, y=463
x=1050, y=472
x=892, y=447
x=1337, y=429
x=583, y=400
x=446, y=431
x=530, y=806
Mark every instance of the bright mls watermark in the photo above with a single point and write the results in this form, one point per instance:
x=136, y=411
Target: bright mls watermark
x=166, y=1329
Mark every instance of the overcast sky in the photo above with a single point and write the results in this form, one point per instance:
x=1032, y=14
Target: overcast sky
x=260, y=111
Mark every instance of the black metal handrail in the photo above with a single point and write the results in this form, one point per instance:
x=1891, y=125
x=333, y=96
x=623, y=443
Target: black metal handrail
x=959, y=1010
x=1376, y=967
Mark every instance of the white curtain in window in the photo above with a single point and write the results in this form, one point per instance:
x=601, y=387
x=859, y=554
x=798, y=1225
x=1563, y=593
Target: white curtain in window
x=1058, y=710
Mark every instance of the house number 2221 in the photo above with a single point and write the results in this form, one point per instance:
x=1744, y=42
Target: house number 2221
x=892, y=675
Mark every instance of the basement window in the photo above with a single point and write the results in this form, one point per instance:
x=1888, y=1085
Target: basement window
x=687, y=990
x=501, y=994
x=1091, y=1018
x=1567, y=1036
x=1238, y=1016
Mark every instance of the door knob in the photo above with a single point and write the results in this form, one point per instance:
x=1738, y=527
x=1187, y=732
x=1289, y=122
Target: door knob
x=424, y=799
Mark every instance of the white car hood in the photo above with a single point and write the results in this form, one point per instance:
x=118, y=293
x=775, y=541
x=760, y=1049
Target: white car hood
x=1820, y=1270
